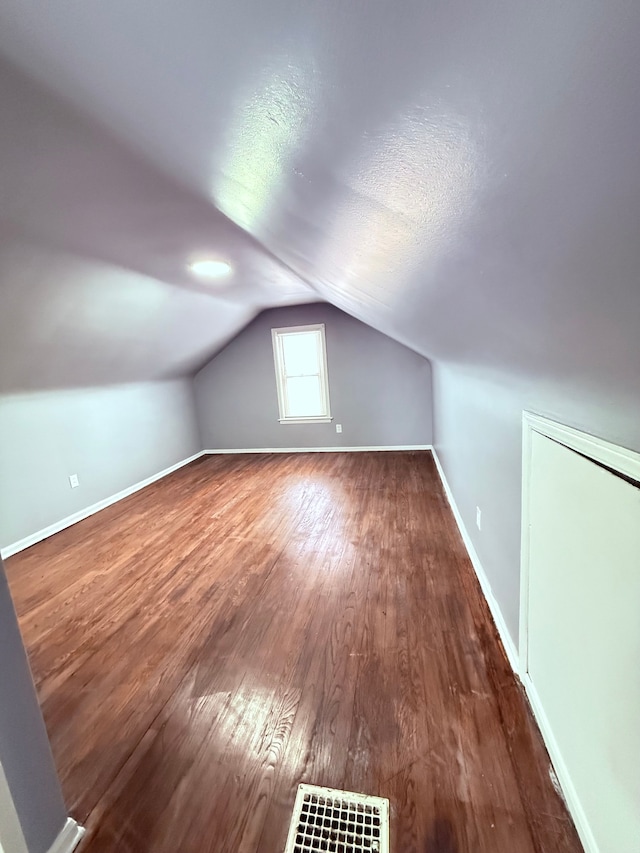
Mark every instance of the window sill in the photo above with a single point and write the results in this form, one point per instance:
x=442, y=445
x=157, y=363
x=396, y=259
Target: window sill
x=305, y=420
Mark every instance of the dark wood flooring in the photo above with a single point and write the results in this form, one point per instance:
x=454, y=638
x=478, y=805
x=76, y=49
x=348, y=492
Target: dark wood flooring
x=252, y=622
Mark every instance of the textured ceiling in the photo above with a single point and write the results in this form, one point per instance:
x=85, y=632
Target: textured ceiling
x=462, y=176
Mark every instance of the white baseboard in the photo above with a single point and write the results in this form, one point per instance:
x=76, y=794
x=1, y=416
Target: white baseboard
x=39, y=535
x=320, y=449
x=494, y=607
x=68, y=837
x=557, y=761
x=21, y=544
x=564, y=778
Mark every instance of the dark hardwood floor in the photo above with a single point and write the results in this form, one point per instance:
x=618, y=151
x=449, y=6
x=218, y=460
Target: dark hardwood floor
x=252, y=622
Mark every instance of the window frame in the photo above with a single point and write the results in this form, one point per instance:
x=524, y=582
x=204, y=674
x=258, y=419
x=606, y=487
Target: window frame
x=281, y=376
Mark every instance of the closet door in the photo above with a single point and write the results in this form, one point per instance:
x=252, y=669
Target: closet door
x=584, y=632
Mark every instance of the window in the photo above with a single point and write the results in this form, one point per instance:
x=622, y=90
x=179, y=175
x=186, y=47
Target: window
x=300, y=356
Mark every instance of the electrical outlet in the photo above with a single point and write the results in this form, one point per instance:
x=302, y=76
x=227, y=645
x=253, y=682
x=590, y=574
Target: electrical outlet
x=338, y=427
x=73, y=481
x=479, y=518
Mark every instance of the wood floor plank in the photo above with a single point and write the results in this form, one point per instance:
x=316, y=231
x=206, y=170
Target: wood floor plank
x=252, y=622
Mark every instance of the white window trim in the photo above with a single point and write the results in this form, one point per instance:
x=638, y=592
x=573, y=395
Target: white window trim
x=278, y=360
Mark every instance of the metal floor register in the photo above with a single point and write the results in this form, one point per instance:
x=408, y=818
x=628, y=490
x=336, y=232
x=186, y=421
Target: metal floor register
x=338, y=822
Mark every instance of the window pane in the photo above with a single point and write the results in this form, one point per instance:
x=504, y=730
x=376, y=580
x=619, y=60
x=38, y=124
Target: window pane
x=304, y=398
x=301, y=353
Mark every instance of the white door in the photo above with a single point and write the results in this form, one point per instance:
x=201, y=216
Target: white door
x=583, y=642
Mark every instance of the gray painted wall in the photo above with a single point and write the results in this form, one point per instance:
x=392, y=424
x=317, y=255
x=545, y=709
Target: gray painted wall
x=24, y=748
x=111, y=437
x=380, y=391
x=478, y=438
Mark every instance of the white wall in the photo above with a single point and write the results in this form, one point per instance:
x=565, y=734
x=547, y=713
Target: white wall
x=380, y=390
x=111, y=437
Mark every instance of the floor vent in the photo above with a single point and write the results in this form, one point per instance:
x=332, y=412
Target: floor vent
x=338, y=822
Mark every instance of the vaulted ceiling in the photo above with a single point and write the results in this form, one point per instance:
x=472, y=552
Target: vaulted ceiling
x=462, y=176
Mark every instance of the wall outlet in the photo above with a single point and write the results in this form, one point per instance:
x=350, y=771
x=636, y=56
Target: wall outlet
x=479, y=518
x=73, y=481
x=338, y=427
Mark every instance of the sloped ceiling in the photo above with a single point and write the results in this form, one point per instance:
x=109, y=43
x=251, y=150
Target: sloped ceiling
x=94, y=243
x=462, y=176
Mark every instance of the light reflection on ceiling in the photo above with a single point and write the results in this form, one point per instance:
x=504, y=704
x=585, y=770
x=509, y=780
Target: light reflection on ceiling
x=411, y=188
x=267, y=132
